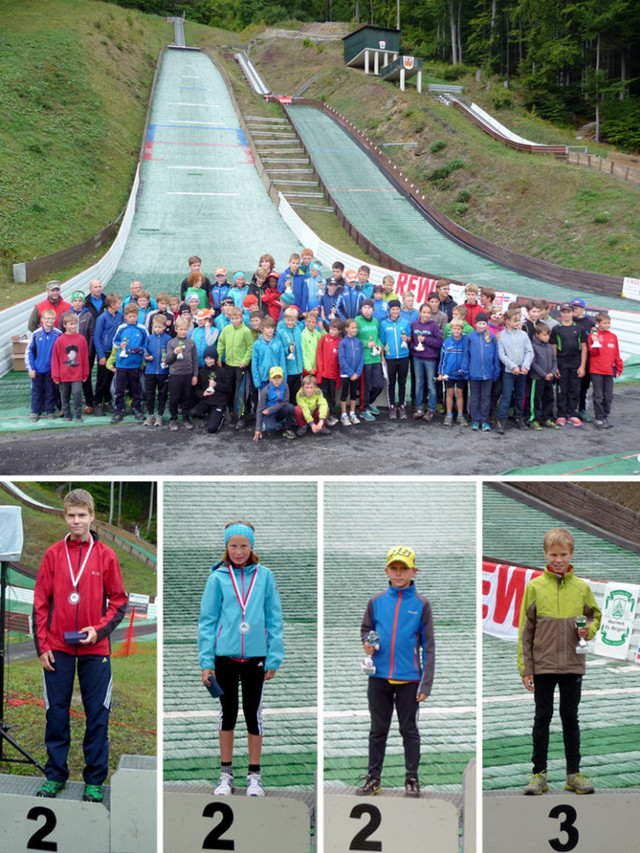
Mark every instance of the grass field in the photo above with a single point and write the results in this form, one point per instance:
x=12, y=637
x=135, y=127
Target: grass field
x=132, y=727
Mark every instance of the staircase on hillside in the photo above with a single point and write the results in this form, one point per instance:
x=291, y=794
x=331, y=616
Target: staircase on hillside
x=286, y=162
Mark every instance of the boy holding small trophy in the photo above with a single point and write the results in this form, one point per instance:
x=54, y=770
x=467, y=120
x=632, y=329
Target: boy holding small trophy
x=397, y=637
x=558, y=614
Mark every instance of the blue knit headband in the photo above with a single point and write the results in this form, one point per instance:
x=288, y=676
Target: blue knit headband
x=239, y=529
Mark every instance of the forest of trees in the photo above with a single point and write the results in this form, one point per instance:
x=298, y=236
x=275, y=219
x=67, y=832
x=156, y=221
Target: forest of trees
x=577, y=60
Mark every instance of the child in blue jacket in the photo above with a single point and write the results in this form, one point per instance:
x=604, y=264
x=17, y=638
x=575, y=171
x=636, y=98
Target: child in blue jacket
x=482, y=365
x=351, y=360
x=404, y=661
x=240, y=641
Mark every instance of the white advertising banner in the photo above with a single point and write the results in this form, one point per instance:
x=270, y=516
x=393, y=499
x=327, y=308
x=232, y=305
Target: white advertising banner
x=502, y=591
x=618, y=613
x=631, y=288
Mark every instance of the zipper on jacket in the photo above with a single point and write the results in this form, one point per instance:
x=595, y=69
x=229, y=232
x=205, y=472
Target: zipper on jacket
x=393, y=633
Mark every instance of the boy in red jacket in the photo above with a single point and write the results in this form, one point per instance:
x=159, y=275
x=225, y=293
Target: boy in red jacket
x=329, y=367
x=604, y=364
x=78, y=601
x=70, y=366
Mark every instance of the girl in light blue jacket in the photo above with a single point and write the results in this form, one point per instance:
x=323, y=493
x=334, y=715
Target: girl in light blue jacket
x=240, y=641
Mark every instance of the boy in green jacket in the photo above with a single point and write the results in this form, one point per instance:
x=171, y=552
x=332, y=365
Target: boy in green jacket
x=557, y=610
x=311, y=409
x=235, y=346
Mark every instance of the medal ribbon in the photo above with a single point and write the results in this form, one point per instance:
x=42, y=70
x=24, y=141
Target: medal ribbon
x=244, y=603
x=76, y=580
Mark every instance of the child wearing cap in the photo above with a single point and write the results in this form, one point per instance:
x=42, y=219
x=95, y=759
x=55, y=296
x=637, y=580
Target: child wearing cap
x=315, y=283
x=219, y=290
x=274, y=407
x=329, y=303
x=240, y=641
x=222, y=319
x=212, y=393
x=586, y=323
x=380, y=305
x=404, y=661
x=350, y=300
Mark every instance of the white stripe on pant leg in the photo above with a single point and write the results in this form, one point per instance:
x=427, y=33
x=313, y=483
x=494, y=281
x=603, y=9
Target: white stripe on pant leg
x=220, y=716
x=107, y=698
x=259, y=712
x=44, y=692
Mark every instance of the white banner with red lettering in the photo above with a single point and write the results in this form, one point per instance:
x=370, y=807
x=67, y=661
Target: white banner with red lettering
x=502, y=591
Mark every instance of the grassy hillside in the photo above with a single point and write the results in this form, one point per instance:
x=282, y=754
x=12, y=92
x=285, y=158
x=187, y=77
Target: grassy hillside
x=533, y=204
x=74, y=83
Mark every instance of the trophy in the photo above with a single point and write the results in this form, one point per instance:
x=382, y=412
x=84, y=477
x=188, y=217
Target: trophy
x=163, y=355
x=123, y=350
x=181, y=348
x=288, y=284
x=420, y=347
x=368, y=666
x=292, y=349
x=595, y=341
x=581, y=622
x=403, y=345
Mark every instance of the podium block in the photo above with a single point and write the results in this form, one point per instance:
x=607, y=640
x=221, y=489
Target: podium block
x=561, y=821
x=61, y=825
x=134, y=805
x=389, y=824
x=196, y=821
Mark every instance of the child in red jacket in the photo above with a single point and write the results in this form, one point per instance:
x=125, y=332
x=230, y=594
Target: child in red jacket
x=604, y=364
x=70, y=366
x=78, y=601
x=328, y=366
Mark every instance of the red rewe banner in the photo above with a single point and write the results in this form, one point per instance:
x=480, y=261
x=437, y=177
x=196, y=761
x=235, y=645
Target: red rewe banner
x=502, y=590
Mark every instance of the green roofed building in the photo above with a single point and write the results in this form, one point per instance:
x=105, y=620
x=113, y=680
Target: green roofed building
x=369, y=44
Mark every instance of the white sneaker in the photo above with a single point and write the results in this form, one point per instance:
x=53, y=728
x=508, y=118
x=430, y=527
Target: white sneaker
x=344, y=420
x=254, y=785
x=354, y=418
x=332, y=420
x=224, y=787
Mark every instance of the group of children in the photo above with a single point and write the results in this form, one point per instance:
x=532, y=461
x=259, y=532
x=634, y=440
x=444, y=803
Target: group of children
x=280, y=348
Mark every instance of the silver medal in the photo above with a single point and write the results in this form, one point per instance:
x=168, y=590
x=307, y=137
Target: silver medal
x=74, y=597
x=244, y=627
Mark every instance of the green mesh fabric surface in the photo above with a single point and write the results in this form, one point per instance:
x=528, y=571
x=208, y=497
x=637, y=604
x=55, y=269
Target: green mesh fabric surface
x=284, y=515
x=385, y=217
x=610, y=729
x=385, y=515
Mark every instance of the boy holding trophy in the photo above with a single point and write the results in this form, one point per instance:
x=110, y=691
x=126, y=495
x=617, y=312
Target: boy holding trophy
x=558, y=614
x=397, y=637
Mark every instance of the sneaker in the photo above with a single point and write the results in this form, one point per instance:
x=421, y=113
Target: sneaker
x=98, y=411
x=92, y=794
x=598, y=423
x=109, y=408
x=576, y=422
x=550, y=424
x=374, y=409
x=486, y=427
x=332, y=420
x=418, y=414
x=370, y=788
x=51, y=789
x=224, y=788
x=288, y=434
x=150, y=420
x=354, y=418
x=241, y=423
x=579, y=783
x=475, y=425
x=137, y=414
x=35, y=417
x=429, y=417
x=88, y=410
x=117, y=418
x=188, y=424
x=606, y=424
x=585, y=417
x=254, y=785
x=535, y=425
x=51, y=416
x=537, y=785
x=402, y=412
x=78, y=420
x=462, y=421
x=561, y=421
x=519, y=423
x=158, y=420
x=365, y=416
x=500, y=427
x=393, y=413
x=301, y=431
x=344, y=419
x=448, y=420
x=411, y=787
x=173, y=426
x=440, y=409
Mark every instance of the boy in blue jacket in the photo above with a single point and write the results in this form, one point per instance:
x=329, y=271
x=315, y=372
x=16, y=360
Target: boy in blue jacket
x=156, y=370
x=38, y=363
x=351, y=360
x=130, y=341
x=404, y=660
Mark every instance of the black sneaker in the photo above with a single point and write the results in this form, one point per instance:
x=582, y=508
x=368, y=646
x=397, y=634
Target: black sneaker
x=286, y=433
x=117, y=418
x=411, y=787
x=98, y=411
x=302, y=430
x=500, y=427
x=241, y=423
x=138, y=415
x=370, y=788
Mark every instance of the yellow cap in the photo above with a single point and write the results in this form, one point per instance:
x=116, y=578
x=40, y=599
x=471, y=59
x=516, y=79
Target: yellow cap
x=402, y=554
